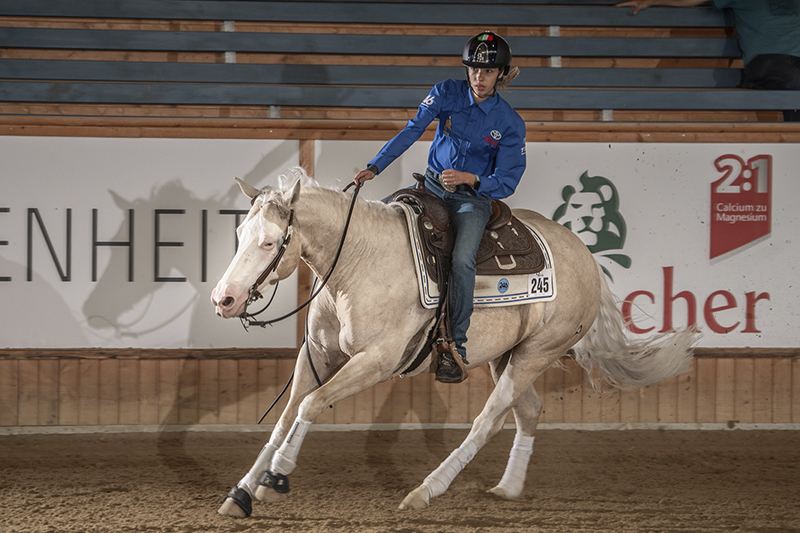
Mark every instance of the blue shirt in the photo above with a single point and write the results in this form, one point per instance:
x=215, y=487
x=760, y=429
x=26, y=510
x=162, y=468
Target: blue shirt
x=486, y=139
x=765, y=26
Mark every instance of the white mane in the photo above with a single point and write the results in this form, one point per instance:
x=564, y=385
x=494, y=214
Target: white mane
x=287, y=181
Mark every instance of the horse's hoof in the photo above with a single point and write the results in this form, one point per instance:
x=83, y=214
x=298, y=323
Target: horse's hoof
x=268, y=495
x=272, y=487
x=237, y=504
x=497, y=491
x=502, y=493
x=230, y=508
x=418, y=498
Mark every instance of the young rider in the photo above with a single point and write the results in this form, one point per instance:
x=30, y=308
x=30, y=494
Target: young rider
x=478, y=154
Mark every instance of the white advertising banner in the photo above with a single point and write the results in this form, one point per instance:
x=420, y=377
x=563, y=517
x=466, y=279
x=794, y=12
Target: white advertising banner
x=118, y=242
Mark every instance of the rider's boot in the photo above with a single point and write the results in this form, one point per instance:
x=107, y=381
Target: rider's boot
x=451, y=367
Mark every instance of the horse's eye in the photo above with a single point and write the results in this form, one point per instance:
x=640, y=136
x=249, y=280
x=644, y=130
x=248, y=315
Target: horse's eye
x=267, y=245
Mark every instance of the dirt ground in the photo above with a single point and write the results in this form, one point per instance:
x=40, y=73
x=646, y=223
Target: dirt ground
x=353, y=481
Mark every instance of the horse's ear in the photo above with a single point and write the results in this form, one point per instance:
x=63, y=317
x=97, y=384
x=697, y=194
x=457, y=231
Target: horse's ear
x=295, y=192
x=249, y=191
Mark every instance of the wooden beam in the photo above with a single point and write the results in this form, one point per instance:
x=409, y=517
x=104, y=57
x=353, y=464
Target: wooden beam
x=99, y=354
x=305, y=277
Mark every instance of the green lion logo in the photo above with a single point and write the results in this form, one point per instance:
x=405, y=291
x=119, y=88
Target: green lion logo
x=593, y=214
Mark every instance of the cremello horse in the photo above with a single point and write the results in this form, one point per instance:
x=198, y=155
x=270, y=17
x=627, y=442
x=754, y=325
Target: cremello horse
x=367, y=324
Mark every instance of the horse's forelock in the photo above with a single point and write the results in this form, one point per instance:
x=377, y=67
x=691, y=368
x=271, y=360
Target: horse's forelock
x=275, y=198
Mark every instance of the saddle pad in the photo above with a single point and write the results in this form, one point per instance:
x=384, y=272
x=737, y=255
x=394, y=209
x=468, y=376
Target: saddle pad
x=492, y=290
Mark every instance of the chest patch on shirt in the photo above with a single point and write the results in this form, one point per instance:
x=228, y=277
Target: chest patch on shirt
x=493, y=139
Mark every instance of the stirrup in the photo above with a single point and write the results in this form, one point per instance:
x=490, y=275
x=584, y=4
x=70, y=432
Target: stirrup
x=451, y=367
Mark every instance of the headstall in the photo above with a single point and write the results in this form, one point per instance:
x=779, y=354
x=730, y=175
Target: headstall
x=254, y=294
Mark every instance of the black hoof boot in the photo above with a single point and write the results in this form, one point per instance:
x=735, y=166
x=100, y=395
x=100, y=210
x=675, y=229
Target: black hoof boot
x=277, y=482
x=449, y=371
x=242, y=499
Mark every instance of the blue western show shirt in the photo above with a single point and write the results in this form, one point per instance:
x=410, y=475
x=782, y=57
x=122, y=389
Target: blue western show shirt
x=486, y=139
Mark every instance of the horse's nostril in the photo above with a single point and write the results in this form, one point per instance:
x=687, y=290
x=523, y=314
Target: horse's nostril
x=227, y=302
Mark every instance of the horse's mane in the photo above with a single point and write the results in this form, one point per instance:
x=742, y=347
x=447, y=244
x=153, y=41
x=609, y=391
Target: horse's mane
x=278, y=196
x=287, y=181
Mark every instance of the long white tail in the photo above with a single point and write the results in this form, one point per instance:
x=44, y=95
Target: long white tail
x=622, y=361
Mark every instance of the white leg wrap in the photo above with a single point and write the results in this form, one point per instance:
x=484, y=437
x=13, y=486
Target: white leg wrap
x=250, y=481
x=517, y=468
x=283, y=462
x=438, y=481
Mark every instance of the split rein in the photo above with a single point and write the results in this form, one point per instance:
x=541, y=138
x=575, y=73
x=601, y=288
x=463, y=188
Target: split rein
x=246, y=318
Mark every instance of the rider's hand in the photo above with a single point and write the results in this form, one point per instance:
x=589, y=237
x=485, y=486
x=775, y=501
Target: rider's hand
x=364, y=175
x=637, y=5
x=456, y=177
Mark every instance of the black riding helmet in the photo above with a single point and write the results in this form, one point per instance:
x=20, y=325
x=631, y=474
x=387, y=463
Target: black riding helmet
x=487, y=50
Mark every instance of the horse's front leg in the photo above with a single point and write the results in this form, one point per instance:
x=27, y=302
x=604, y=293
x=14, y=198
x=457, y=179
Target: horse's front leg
x=363, y=371
x=238, y=503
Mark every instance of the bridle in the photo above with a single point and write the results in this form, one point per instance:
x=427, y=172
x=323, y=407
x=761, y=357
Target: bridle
x=254, y=294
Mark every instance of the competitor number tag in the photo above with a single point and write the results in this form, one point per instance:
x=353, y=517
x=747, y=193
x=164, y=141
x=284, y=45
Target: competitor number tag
x=540, y=284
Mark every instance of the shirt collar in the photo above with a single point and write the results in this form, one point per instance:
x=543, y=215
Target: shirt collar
x=487, y=105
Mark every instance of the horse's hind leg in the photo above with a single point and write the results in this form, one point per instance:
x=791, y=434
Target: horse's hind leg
x=514, y=381
x=526, y=415
x=514, y=377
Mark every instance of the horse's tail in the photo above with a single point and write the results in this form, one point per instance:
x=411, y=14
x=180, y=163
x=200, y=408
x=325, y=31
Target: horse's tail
x=623, y=361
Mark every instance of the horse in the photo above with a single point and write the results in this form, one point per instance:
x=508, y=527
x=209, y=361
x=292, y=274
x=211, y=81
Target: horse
x=367, y=324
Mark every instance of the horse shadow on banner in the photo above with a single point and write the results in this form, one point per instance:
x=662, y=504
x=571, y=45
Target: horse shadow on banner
x=42, y=313
x=132, y=313
x=126, y=311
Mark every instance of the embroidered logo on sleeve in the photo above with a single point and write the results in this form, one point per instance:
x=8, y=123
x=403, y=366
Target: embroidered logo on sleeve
x=428, y=100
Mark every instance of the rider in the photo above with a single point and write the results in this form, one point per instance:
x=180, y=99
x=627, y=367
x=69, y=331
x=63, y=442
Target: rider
x=478, y=154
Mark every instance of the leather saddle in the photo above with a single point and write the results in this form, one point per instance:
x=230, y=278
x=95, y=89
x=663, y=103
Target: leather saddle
x=507, y=247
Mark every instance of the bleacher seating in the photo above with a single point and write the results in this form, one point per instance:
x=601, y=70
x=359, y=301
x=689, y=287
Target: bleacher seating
x=194, y=60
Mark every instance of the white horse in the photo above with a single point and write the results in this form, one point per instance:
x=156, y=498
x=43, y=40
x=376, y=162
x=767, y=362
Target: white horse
x=367, y=324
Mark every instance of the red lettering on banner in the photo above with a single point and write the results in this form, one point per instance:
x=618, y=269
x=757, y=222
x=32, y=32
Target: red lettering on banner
x=691, y=302
x=752, y=299
x=741, y=202
x=709, y=310
x=717, y=302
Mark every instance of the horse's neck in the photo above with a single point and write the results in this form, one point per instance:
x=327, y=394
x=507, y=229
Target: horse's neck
x=322, y=215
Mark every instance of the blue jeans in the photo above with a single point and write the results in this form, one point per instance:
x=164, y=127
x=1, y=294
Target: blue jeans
x=469, y=214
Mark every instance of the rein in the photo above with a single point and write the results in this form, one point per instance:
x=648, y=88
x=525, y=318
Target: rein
x=253, y=295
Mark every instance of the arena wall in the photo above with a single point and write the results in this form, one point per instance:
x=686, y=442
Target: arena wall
x=122, y=379
x=80, y=351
